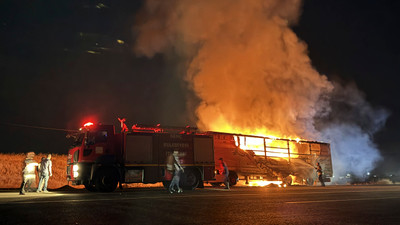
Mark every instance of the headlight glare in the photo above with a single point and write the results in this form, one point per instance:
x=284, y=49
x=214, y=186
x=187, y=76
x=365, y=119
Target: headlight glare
x=75, y=168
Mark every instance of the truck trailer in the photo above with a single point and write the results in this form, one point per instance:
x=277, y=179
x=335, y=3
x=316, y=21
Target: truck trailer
x=100, y=158
x=261, y=160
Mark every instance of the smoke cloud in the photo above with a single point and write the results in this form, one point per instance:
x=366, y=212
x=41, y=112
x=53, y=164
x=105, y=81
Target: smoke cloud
x=248, y=70
x=349, y=127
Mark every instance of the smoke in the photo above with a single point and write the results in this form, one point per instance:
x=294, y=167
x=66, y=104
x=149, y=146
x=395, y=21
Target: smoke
x=247, y=69
x=349, y=127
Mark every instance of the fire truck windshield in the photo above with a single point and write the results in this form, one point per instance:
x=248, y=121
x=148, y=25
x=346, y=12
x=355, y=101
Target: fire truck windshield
x=78, y=139
x=97, y=137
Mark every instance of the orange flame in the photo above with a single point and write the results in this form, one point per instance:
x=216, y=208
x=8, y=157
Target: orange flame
x=266, y=146
x=263, y=183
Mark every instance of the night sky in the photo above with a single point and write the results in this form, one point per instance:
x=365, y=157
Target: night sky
x=66, y=62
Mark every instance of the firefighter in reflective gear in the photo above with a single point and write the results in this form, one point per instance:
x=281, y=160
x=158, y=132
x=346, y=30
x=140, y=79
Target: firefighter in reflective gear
x=28, y=173
x=225, y=171
x=178, y=170
x=319, y=172
x=45, y=173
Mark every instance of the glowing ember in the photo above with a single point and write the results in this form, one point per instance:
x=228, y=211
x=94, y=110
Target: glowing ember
x=263, y=183
x=294, y=180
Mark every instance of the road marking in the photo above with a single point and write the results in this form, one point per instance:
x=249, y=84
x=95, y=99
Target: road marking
x=163, y=197
x=338, y=192
x=341, y=200
x=28, y=195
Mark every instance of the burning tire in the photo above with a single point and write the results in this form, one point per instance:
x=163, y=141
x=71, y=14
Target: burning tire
x=190, y=179
x=106, y=180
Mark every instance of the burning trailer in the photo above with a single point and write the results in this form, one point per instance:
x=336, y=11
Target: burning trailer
x=100, y=158
x=261, y=161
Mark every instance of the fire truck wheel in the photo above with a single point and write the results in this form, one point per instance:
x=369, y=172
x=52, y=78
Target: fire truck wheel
x=106, y=180
x=90, y=187
x=190, y=179
x=233, y=178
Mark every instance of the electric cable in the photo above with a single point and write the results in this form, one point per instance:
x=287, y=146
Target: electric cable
x=37, y=127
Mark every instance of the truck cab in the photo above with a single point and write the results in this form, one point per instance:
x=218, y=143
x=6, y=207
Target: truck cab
x=94, y=146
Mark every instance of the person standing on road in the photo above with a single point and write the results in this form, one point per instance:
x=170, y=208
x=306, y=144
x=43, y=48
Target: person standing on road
x=39, y=173
x=28, y=173
x=178, y=170
x=225, y=171
x=45, y=172
x=319, y=172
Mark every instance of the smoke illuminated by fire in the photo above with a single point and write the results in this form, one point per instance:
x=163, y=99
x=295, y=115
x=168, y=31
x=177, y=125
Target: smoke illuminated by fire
x=249, y=70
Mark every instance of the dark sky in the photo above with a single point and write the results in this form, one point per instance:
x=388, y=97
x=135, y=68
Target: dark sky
x=63, y=62
x=358, y=41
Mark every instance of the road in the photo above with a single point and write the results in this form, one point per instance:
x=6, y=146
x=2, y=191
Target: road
x=240, y=205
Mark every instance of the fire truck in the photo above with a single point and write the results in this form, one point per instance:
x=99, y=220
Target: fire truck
x=101, y=158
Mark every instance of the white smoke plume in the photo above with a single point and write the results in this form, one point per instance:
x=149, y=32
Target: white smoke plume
x=244, y=63
x=349, y=127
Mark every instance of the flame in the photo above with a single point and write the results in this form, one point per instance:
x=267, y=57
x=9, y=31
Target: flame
x=267, y=146
x=263, y=183
x=247, y=67
x=294, y=181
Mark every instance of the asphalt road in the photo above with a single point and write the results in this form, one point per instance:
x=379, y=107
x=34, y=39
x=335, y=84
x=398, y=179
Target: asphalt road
x=240, y=205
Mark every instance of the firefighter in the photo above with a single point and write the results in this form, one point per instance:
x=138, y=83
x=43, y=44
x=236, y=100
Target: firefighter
x=124, y=128
x=38, y=170
x=319, y=172
x=224, y=170
x=45, y=173
x=28, y=173
x=178, y=170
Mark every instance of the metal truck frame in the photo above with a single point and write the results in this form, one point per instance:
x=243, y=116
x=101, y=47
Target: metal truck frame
x=257, y=158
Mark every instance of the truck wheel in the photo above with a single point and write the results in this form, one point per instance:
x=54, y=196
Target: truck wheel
x=190, y=179
x=233, y=178
x=90, y=187
x=106, y=180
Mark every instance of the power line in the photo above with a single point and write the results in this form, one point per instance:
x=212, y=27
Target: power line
x=37, y=127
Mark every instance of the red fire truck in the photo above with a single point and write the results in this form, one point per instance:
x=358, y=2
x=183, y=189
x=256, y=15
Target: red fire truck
x=101, y=158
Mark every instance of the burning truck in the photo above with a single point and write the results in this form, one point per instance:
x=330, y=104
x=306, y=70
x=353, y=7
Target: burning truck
x=260, y=161
x=100, y=158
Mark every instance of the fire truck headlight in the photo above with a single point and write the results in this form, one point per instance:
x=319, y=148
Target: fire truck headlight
x=76, y=174
x=75, y=168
